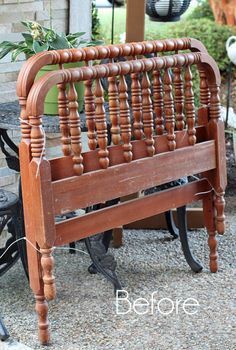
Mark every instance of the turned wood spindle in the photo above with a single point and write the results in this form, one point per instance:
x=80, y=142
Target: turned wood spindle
x=158, y=102
x=47, y=263
x=125, y=124
x=136, y=106
x=114, y=109
x=37, y=138
x=147, y=115
x=179, y=98
x=169, y=110
x=214, y=103
x=25, y=126
x=209, y=218
x=89, y=106
x=101, y=126
x=219, y=202
x=204, y=89
x=41, y=308
x=219, y=197
x=189, y=106
x=212, y=243
x=64, y=119
x=75, y=130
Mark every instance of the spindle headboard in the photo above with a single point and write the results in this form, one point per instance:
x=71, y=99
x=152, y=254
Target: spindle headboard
x=155, y=139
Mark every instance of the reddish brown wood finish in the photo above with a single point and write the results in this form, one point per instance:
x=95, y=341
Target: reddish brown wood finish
x=63, y=112
x=169, y=110
x=179, y=98
x=137, y=106
x=90, y=113
x=114, y=109
x=101, y=125
x=78, y=228
x=147, y=115
x=75, y=130
x=54, y=187
x=189, y=106
x=125, y=125
x=77, y=192
x=158, y=102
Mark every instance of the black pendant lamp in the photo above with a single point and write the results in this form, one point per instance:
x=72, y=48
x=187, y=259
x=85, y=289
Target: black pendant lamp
x=166, y=10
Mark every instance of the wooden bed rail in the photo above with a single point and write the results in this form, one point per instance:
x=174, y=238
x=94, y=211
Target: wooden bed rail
x=82, y=227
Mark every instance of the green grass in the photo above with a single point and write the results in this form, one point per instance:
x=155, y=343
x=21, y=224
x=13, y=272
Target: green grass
x=151, y=28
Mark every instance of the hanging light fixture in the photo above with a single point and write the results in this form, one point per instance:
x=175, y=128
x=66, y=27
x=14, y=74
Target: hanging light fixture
x=166, y=10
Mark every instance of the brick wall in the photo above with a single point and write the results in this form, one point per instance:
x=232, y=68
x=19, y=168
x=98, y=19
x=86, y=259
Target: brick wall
x=13, y=11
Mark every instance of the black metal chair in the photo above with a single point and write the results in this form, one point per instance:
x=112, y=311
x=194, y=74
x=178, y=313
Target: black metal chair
x=11, y=213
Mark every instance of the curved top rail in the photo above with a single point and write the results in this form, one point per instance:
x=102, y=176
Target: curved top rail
x=35, y=105
x=34, y=64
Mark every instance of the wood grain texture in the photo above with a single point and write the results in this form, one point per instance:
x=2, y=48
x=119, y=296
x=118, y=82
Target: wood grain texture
x=147, y=115
x=101, y=126
x=136, y=160
x=105, y=219
x=89, y=106
x=75, y=130
x=189, y=106
x=137, y=106
x=169, y=109
x=125, y=125
x=209, y=218
x=82, y=192
x=63, y=112
x=114, y=109
x=34, y=64
x=63, y=167
x=41, y=308
x=158, y=102
x=47, y=262
x=179, y=98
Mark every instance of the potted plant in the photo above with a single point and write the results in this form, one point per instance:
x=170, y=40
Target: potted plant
x=40, y=39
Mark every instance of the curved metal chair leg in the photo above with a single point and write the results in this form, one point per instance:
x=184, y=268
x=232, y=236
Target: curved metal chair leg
x=20, y=232
x=3, y=331
x=103, y=262
x=182, y=220
x=171, y=224
x=106, y=239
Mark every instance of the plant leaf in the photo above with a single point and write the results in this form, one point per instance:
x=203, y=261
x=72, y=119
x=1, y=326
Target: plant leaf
x=38, y=47
x=59, y=43
x=75, y=35
x=16, y=53
x=4, y=52
x=91, y=43
x=28, y=38
x=27, y=24
x=6, y=44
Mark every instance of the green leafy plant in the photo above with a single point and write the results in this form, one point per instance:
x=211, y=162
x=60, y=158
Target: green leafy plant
x=202, y=10
x=40, y=39
x=95, y=21
x=211, y=34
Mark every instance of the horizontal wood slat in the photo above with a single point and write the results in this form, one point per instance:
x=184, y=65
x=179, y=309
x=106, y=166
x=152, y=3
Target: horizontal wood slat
x=120, y=180
x=63, y=167
x=136, y=209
